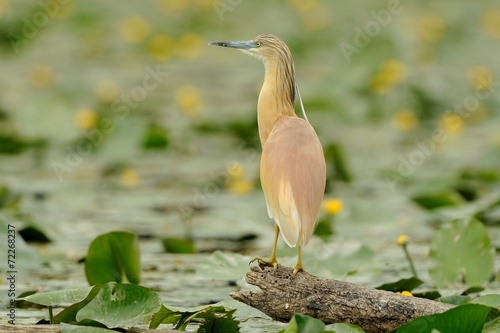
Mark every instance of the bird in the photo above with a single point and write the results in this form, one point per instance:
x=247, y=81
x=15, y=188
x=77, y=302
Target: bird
x=292, y=165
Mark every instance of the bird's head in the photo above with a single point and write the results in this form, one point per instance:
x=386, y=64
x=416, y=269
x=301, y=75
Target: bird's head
x=264, y=47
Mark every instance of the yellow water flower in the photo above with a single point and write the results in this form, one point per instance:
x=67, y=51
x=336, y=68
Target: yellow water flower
x=42, y=76
x=405, y=293
x=452, y=123
x=191, y=46
x=240, y=187
x=431, y=28
x=129, y=178
x=480, y=77
x=135, y=29
x=405, y=120
x=402, y=240
x=490, y=22
x=86, y=118
x=161, y=47
x=391, y=72
x=189, y=100
x=332, y=206
x=107, y=91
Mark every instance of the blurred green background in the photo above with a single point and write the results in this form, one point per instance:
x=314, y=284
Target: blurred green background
x=119, y=116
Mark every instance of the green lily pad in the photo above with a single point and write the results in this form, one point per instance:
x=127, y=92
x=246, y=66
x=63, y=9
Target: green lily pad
x=178, y=245
x=402, y=285
x=68, y=315
x=33, y=234
x=224, y=266
x=468, y=318
x=115, y=257
x=156, y=137
x=121, y=305
x=67, y=328
x=432, y=201
x=461, y=250
x=492, y=300
x=455, y=299
x=59, y=297
x=214, y=322
x=334, y=154
x=344, y=328
x=304, y=324
x=213, y=318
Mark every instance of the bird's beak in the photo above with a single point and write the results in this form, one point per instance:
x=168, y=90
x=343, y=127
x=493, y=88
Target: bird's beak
x=244, y=45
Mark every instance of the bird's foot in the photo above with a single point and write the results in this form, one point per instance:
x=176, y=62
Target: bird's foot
x=297, y=268
x=263, y=262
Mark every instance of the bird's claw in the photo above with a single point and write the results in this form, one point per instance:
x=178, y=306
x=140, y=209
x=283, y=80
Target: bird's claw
x=297, y=269
x=263, y=262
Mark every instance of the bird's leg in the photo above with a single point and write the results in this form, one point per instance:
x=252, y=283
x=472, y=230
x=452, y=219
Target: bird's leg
x=298, y=266
x=272, y=261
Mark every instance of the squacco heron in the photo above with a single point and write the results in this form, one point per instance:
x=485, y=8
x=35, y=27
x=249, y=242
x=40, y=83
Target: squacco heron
x=292, y=166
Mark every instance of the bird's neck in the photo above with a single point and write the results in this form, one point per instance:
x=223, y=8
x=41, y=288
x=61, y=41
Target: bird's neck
x=276, y=99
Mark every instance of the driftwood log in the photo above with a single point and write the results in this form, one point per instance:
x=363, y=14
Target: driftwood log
x=375, y=311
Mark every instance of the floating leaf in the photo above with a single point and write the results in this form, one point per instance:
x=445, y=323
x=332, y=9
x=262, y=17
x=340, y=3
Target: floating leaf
x=432, y=295
x=324, y=229
x=9, y=199
x=33, y=234
x=461, y=250
x=349, y=263
x=68, y=315
x=11, y=145
x=468, y=318
x=335, y=155
x=113, y=257
x=121, y=305
x=59, y=297
x=492, y=300
x=214, y=322
x=164, y=316
x=214, y=318
x=402, y=285
x=438, y=200
x=455, y=299
x=225, y=266
x=67, y=328
x=178, y=245
x=472, y=290
x=304, y=324
x=156, y=137
x=344, y=328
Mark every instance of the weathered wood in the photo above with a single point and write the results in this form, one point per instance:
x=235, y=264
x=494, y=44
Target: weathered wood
x=284, y=294
x=55, y=329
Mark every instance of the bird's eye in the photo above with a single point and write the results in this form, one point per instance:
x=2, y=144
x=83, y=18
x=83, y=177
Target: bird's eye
x=258, y=44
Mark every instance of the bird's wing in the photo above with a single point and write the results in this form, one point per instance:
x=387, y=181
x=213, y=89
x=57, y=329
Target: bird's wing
x=293, y=175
